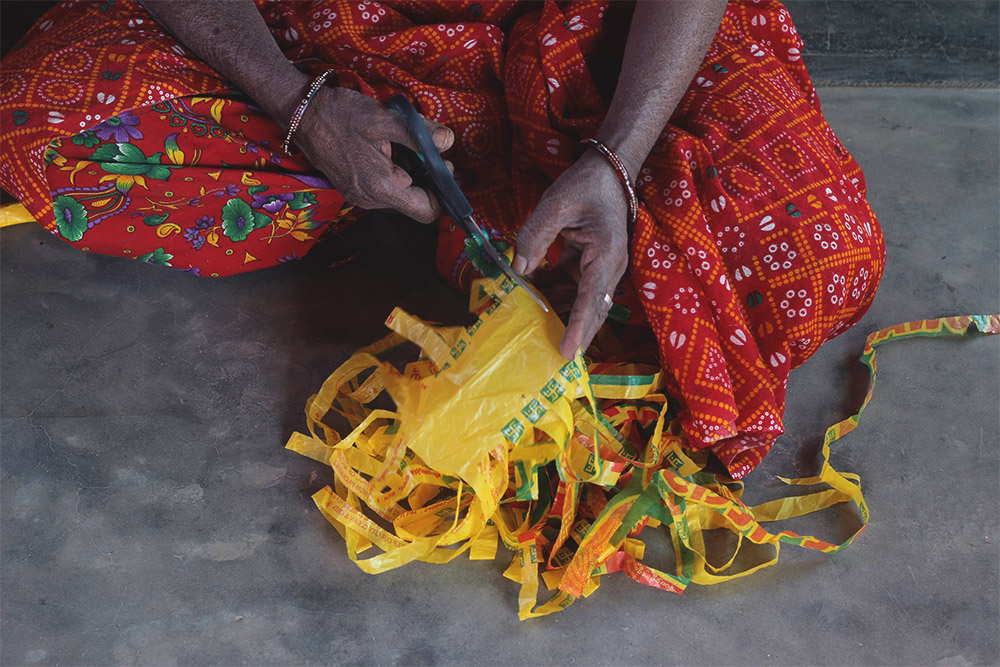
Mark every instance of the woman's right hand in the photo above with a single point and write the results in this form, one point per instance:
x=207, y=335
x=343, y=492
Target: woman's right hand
x=344, y=134
x=347, y=135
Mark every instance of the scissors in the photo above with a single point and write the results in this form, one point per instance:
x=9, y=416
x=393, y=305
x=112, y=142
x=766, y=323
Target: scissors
x=428, y=171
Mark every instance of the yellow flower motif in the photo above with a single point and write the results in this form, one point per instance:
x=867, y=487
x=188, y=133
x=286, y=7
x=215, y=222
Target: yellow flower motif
x=124, y=182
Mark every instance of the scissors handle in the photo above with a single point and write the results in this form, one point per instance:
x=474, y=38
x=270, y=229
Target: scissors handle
x=452, y=200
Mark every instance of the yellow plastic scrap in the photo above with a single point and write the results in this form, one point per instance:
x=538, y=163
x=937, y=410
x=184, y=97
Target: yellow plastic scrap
x=14, y=214
x=497, y=438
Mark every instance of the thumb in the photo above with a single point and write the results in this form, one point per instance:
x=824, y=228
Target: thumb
x=442, y=136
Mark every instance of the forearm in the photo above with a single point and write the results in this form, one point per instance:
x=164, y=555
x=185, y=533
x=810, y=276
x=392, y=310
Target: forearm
x=666, y=43
x=232, y=38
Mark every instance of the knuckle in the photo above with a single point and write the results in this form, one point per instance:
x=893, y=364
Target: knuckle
x=356, y=183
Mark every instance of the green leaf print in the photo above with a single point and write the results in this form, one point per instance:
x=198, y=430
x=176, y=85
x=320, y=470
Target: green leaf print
x=156, y=170
x=124, y=159
x=128, y=160
x=87, y=139
x=238, y=219
x=71, y=217
x=160, y=257
x=302, y=200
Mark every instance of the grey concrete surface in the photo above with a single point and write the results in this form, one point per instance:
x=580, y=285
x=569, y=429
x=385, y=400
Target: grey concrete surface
x=900, y=41
x=149, y=514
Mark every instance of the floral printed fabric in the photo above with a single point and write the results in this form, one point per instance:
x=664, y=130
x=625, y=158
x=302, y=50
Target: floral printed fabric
x=754, y=242
x=212, y=197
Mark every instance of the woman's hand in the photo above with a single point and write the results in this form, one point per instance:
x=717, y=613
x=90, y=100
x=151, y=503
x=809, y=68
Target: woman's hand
x=347, y=135
x=344, y=134
x=586, y=206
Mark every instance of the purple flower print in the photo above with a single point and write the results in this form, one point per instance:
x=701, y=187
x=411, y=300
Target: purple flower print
x=193, y=236
x=288, y=258
x=272, y=203
x=121, y=128
x=266, y=145
x=230, y=190
x=204, y=223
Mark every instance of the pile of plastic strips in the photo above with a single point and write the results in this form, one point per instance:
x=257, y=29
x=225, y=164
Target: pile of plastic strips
x=496, y=438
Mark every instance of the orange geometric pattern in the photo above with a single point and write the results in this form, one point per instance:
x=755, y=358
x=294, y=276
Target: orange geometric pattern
x=756, y=244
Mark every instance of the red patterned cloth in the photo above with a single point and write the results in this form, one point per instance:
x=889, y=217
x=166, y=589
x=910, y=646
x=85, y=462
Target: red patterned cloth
x=754, y=242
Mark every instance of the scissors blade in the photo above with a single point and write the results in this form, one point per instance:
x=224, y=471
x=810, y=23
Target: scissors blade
x=495, y=257
x=444, y=186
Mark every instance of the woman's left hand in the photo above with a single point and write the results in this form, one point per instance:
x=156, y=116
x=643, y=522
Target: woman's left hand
x=586, y=205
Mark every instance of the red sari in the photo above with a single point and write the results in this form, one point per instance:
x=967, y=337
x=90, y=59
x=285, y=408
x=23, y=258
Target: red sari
x=754, y=242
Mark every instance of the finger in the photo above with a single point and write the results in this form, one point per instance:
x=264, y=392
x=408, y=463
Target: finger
x=413, y=201
x=602, y=269
x=442, y=136
x=420, y=200
x=399, y=178
x=390, y=186
x=389, y=125
x=536, y=235
x=451, y=167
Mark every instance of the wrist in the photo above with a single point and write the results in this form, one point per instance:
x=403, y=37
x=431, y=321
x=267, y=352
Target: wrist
x=305, y=115
x=630, y=148
x=283, y=96
x=614, y=168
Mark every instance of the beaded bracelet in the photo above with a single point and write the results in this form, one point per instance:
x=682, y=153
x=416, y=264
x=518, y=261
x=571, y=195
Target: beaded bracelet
x=300, y=110
x=619, y=166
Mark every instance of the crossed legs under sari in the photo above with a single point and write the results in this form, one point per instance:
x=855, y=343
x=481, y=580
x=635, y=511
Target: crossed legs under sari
x=754, y=242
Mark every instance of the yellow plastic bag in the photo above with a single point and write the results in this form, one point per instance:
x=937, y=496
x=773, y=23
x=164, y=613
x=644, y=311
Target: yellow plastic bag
x=496, y=438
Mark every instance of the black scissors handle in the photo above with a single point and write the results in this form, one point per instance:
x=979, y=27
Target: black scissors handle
x=440, y=179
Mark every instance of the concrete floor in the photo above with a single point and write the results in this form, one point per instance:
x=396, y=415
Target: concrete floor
x=150, y=515
x=899, y=41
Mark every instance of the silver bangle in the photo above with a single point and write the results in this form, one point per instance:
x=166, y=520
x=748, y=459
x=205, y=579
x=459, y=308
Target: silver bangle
x=300, y=110
x=623, y=176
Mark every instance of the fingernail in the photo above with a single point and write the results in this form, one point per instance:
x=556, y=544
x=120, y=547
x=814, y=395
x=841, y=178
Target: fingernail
x=519, y=264
x=440, y=138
